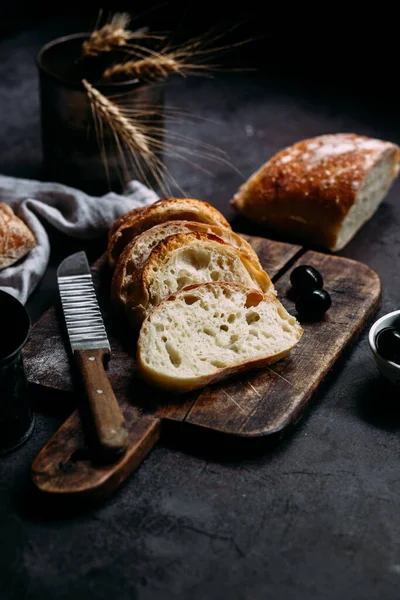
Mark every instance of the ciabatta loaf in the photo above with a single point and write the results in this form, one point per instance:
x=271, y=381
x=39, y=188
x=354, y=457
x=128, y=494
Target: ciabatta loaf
x=170, y=209
x=139, y=249
x=184, y=259
x=210, y=331
x=321, y=190
x=16, y=239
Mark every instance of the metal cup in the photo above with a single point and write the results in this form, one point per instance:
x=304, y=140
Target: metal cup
x=71, y=151
x=16, y=417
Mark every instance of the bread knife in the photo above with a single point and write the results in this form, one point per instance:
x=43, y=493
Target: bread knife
x=91, y=349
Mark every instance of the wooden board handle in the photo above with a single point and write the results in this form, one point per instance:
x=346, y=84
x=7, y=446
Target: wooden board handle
x=65, y=468
x=108, y=420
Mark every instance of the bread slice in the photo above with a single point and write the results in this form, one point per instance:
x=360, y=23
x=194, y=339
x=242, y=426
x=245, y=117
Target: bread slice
x=16, y=239
x=321, y=190
x=170, y=209
x=139, y=249
x=185, y=259
x=207, y=332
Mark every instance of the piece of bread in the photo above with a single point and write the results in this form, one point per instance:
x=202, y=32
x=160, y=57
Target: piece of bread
x=184, y=259
x=321, y=190
x=16, y=239
x=170, y=209
x=139, y=249
x=207, y=332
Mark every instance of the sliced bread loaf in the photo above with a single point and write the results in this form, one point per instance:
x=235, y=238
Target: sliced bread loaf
x=185, y=259
x=210, y=331
x=136, y=221
x=139, y=249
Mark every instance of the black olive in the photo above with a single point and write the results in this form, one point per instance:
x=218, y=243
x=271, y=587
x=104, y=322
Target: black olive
x=388, y=344
x=313, y=303
x=306, y=277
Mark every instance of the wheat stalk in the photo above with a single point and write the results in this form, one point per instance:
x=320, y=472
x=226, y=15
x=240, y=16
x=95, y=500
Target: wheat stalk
x=148, y=64
x=114, y=34
x=133, y=144
x=138, y=135
x=184, y=60
x=151, y=67
x=155, y=66
x=111, y=35
x=109, y=112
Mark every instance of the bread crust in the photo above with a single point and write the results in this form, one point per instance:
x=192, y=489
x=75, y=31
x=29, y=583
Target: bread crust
x=307, y=190
x=125, y=267
x=136, y=221
x=175, y=385
x=139, y=295
x=16, y=239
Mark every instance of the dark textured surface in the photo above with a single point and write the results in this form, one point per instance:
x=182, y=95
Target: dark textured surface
x=317, y=516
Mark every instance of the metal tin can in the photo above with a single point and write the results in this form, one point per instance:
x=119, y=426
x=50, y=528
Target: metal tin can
x=16, y=417
x=72, y=153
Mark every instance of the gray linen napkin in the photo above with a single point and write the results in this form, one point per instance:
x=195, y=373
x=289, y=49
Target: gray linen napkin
x=70, y=211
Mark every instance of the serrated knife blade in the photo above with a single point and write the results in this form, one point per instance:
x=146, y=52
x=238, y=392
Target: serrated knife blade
x=82, y=314
x=90, y=347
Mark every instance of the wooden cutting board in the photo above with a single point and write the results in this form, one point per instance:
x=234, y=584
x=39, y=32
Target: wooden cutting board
x=255, y=404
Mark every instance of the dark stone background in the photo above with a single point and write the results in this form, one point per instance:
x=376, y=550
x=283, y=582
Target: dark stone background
x=314, y=517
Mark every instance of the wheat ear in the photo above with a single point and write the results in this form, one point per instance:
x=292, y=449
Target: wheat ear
x=114, y=34
x=140, y=143
x=111, y=35
x=151, y=67
x=130, y=132
x=134, y=146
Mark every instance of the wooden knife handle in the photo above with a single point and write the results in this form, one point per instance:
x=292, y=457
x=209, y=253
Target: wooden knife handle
x=108, y=420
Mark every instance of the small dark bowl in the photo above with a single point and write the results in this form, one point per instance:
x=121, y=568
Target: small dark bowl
x=387, y=368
